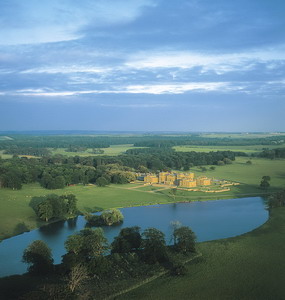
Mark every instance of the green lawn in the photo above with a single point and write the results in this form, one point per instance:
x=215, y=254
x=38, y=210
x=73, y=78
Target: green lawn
x=250, y=266
x=249, y=174
x=15, y=208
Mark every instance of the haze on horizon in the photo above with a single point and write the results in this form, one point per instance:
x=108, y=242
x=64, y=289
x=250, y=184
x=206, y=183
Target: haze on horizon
x=145, y=65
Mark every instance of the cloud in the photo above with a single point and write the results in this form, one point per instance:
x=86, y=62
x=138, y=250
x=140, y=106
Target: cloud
x=219, y=63
x=67, y=69
x=177, y=88
x=33, y=21
x=136, y=105
x=155, y=89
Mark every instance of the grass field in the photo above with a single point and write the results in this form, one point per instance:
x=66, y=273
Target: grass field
x=249, y=174
x=248, y=267
x=15, y=208
x=113, y=150
x=5, y=156
x=247, y=149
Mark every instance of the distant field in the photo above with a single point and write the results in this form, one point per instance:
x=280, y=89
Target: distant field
x=246, y=149
x=5, y=156
x=113, y=150
x=248, y=267
x=250, y=174
x=249, y=135
x=5, y=138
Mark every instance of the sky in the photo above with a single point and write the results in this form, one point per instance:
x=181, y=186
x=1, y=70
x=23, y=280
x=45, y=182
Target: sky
x=142, y=65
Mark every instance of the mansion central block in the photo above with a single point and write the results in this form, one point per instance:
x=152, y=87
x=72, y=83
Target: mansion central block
x=186, y=180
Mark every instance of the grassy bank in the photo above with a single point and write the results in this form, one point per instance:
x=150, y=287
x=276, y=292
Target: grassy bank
x=15, y=213
x=250, y=266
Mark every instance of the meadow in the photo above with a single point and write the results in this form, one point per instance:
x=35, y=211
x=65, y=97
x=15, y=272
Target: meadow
x=113, y=150
x=16, y=214
x=249, y=174
x=250, y=266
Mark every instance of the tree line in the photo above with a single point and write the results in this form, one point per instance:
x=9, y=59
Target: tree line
x=54, y=207
x=58, y=171
x=89, y=256
x=273, y=153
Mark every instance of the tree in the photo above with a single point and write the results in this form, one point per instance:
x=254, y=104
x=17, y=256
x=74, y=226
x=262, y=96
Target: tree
x=102, y=181
x=184, y=239
x=71, y=204
x=173, y=192
x=38, y=256
x=264, y=183
x=227, y=161
x=45, y=211
x=112, y=216
x=277, y=199
x=54, y=206
x=129, y=239
x=87, y=244
x=267, y=178
x=77, y=276
x=154, y=247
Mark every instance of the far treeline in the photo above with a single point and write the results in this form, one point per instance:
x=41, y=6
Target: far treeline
x=104, y=141
x=55, y=172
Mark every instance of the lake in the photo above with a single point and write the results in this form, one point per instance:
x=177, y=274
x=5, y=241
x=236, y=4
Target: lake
x=210, y=220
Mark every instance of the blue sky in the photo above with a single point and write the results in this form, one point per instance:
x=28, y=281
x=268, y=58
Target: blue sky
x=142, y=65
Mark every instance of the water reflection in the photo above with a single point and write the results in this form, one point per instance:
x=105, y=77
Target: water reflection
x=71, y=223
x=52, y=229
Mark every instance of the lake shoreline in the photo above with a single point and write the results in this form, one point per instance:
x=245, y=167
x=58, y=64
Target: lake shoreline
x=196, y=199
x=210, y=220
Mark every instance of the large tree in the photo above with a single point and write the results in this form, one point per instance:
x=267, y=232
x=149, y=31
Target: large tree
x=129, y=239
x=184, y=239
x=87, y=244
x=154, y=246
x=38, y=256
x=264, y=184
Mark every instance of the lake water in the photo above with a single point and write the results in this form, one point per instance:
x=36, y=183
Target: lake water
x=210, y=220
